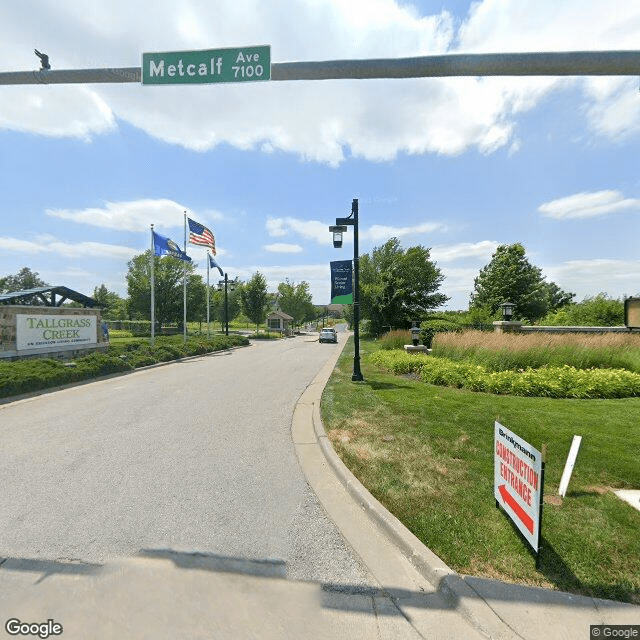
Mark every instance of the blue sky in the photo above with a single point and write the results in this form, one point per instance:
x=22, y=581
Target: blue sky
x=457, y=165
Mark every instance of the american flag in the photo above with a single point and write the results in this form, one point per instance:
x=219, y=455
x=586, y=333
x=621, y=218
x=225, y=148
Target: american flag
x=199, y=234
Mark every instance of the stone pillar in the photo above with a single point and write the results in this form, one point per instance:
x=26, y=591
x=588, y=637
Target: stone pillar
x=506, y=326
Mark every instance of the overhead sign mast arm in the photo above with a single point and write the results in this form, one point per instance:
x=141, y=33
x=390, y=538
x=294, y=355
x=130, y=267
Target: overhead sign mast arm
x=565, y=63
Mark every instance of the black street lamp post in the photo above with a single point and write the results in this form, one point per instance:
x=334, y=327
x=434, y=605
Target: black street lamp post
x=341, y=223
x=226, y=283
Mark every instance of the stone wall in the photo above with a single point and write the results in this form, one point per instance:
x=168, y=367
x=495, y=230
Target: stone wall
x=8, y=338
x=542, y=329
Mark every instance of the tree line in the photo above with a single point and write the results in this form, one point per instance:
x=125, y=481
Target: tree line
x=397, y=286
x=250, y=298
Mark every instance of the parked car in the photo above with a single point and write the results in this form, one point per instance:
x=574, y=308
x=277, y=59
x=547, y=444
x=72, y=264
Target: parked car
x=328, y=335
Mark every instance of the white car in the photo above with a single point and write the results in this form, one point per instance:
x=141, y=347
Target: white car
x=328, y=335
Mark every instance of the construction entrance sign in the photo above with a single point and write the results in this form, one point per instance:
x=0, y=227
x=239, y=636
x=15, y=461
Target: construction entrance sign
x=518, y=482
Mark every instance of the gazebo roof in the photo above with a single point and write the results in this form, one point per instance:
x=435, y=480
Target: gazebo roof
x=279, y=314
x=47, y=296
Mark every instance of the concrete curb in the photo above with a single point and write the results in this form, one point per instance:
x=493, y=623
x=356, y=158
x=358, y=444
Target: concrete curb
x=452, y=585
x=495, y=609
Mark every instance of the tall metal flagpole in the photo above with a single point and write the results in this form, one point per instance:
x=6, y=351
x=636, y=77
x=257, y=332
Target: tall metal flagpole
x=153, y=292
x=208, y=294
x=184, y=283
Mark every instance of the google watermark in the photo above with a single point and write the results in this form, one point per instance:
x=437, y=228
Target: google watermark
x=15, y=627
x=598, y=631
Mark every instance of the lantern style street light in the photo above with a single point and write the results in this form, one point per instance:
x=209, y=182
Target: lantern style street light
x=507, y=310
x=337, y=230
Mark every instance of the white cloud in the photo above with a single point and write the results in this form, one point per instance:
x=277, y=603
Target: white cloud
x=615, y=113
x=383, y=118
x=136, y=215
x=379, y=232
x=309, y=229
x=65, y=111
x=49, y=244
x=283, y=247
x=589, y=205
x=319, y=231
x=589, y=277
x=483, y=250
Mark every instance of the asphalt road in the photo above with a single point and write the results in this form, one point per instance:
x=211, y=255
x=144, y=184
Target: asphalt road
x=193, y=457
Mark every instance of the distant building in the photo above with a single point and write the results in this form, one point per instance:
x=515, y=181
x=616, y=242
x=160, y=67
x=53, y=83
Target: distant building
x=279, y=321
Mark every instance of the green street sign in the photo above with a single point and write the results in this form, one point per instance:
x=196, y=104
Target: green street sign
x=242, y=64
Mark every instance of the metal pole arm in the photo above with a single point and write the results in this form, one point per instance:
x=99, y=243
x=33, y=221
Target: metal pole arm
x=563, y=63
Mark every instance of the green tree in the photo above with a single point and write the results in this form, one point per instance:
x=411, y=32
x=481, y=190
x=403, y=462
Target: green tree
x=295, y=299
x=21, y=281
x=169, y=296
x=398, y=286
x=196, y=298
x=510, y=277
x=596, y=311
x=113, y=306
x=254, y=299
x=557, y=297
x=234, y=306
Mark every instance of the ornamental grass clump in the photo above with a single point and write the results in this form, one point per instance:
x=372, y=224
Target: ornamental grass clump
x=515, y=351
x=395, y=339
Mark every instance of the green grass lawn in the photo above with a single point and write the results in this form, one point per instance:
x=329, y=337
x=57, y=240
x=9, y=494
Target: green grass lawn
x=426, y=453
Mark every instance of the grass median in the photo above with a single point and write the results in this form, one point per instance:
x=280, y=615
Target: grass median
x=426, y=453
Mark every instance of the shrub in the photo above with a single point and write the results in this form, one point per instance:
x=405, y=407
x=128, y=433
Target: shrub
x=98, y=364
x=426, y=336
x=597, y=311
x=141, y=359
x=23, y=376
x=119, y=333
x=440, y=325
x=553, y=382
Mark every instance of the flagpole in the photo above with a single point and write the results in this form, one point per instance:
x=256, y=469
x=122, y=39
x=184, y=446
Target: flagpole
x=153, y=297
x=207, y=294
x=184, y=282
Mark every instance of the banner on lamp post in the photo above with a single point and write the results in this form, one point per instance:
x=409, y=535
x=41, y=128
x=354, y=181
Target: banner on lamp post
x=342, y=282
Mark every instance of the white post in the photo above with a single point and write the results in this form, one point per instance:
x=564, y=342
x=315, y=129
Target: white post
x=208, y=294
x=568, y=467
x=184, y=284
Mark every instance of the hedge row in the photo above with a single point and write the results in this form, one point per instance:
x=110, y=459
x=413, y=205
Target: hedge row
x=551, y=382
x=24, y=376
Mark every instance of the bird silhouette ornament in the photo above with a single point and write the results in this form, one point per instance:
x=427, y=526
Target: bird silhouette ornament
x=44, y=60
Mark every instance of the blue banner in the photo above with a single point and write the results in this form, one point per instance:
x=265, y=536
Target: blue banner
x=342, y=282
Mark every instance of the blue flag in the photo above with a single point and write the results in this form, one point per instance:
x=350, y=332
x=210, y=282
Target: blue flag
x=162, y=246
x=213, y=263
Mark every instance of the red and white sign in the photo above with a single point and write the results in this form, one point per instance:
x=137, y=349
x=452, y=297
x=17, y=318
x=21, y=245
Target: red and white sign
x=518, y=482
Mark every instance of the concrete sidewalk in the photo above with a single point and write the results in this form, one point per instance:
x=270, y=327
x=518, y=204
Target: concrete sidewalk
x=398, y=560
